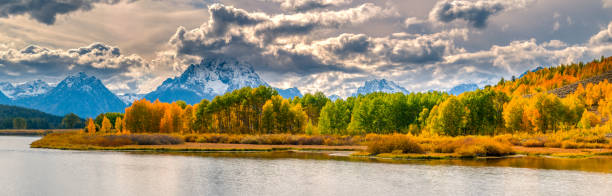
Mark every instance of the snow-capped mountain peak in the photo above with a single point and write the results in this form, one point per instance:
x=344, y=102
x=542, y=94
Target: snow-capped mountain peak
x=381, y=85
x=209, y=78
x=80, y=80
x=32, y=88
x=28, y=89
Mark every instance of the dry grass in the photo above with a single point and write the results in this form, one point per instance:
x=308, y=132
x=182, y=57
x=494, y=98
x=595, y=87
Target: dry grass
x=275, y=139
x=77, y=140
x=396, y=144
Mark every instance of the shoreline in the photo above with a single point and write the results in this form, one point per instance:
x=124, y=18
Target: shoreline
x=32, y=132
x=352, y=151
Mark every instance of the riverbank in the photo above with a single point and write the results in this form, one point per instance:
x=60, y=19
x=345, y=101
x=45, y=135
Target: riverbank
x=173, y=143
x=33, y=132
x=204, y=147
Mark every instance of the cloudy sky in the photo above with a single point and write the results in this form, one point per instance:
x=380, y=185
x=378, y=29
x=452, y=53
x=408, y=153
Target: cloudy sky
x=316, y=45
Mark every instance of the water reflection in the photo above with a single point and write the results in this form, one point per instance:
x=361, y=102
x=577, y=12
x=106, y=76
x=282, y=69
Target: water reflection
x=27, y=171
x=593, y=164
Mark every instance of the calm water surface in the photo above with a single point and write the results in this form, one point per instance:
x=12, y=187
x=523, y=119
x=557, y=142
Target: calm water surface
x=26, y=171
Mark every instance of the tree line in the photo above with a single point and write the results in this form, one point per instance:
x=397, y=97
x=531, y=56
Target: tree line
x=503, y=108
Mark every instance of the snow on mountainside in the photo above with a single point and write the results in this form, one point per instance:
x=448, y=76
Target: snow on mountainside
x=129, y=98
x=289, y=93
x=212, y=77
x=7, y=88
x=382, y=85
x=4, y=99
x=81, y=94
x=30, y=89
x=457, y=90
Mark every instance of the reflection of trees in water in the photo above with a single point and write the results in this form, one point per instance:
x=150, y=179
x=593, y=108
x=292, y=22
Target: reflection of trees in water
x=593, y=164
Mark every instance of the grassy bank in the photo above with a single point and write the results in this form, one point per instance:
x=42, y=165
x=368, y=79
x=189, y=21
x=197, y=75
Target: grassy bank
x=396, y=146
x=157, y=142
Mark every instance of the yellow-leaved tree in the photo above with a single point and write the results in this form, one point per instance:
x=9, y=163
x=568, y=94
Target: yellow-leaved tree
x=119, y=125
x=90, y=126
x=106, y=125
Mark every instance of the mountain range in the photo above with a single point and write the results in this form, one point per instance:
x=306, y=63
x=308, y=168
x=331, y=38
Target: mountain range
x=87, y=96
x=28, y=89
x=81, y=94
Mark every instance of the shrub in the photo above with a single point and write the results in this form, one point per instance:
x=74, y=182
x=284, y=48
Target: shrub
x=569, y=145
x=190, y=138
x=397, y=143
x=533, y=143
x=552, y=143
x=474, y=146
x=153, y=139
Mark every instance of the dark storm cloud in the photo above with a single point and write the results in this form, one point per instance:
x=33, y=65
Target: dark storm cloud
x=476, y=13
x=45, y=11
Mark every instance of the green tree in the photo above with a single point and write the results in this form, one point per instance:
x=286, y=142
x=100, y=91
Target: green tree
x=20, y=123
x=71, y=121
x=449, y=118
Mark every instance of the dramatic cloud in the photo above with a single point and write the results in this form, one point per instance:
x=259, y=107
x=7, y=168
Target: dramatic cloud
x=45, y=11
x=400, y=49
x=306, y=5
x=315, y=45
x=603, y=37
x=476, y=13
x=119, y=71
x=267, y=39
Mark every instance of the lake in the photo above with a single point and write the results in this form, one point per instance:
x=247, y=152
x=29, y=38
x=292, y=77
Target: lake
x=27, y=171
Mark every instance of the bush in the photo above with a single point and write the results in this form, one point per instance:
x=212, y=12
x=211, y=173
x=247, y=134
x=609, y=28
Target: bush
x=190, y=138
x=473, y=146
x=153, y=139
x=394, y=143
x=569, y=145
x=552, y=143
x=533, y=143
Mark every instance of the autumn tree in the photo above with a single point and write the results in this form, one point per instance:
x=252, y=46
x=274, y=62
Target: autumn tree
x=450, y=117
x=90, y=126
x=106, y=126
x=119, y=125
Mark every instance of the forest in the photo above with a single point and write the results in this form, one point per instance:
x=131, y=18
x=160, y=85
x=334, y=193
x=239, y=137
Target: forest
x=519, y=105
x=14, y=117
